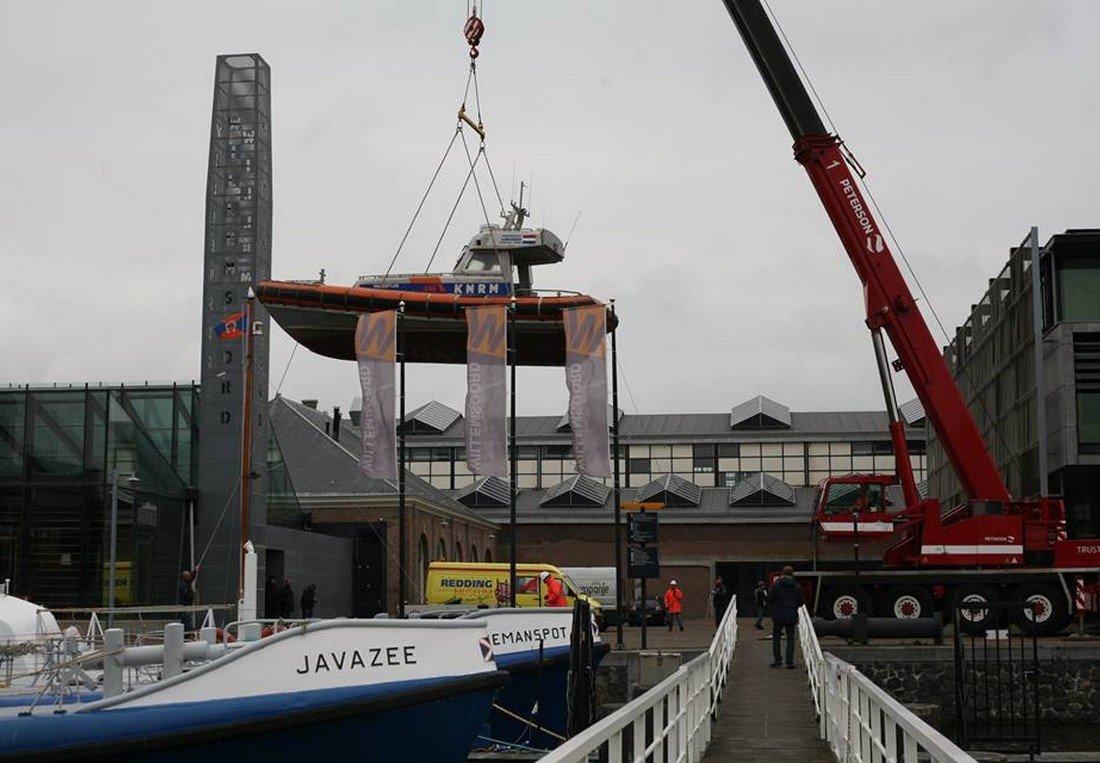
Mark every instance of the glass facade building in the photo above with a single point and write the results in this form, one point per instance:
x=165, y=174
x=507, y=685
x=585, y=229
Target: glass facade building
x=992, y=355
x=59, y=449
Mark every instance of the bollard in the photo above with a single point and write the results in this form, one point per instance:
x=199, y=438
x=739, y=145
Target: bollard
x=209, y=634
x=173, y=649
x=112, y=662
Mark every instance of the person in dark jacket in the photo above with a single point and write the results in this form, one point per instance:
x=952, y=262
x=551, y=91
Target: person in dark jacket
x=760, y=595
x=720, y=596
x=785, y=599
x=185, y=591
x=273, y=598
x=309, y=598
x=287, y=600
x=185, y=595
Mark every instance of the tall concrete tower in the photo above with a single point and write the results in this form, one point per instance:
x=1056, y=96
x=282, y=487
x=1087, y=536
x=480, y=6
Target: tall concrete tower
x=237, y=257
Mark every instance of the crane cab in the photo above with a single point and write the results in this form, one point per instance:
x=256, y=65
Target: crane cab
x=855, y=506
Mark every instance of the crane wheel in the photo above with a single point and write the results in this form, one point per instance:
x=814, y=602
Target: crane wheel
x=1048, y=613
x=978, y=608
x=908, y=602
x=845, y=600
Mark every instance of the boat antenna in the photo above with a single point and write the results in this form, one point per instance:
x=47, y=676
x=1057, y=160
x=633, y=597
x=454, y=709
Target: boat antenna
x=568, y=238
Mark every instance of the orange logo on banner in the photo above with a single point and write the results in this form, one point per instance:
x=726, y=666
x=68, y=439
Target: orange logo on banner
x=376, y=336
x=585, y=329
x=486, y=328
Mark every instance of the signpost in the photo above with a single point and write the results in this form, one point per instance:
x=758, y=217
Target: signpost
x=642, y=559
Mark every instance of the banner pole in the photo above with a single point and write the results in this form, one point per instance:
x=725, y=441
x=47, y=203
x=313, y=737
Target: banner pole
x=618, y=496
x=401, y=531
x=512, y=453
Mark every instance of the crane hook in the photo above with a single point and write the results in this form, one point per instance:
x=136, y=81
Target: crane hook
x=473, y=30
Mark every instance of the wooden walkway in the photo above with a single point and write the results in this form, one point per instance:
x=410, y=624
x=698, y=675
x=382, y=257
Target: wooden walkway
x=767, y=714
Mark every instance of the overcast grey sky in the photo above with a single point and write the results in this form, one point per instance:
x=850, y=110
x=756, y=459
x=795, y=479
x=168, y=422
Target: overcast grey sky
x=975, y=120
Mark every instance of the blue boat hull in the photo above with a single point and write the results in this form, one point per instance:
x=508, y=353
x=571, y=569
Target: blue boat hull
x=427, y=720
x=547, y=684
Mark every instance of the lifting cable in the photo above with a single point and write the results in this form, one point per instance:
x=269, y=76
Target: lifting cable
x=472, y=31
x=861, y=179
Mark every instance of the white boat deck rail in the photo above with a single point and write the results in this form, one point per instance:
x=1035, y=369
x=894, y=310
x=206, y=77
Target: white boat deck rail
x=672, y=721
x=862, y=723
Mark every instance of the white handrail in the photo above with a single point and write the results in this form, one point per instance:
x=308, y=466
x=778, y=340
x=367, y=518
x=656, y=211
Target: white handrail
x=681, y=709
x=860, y=721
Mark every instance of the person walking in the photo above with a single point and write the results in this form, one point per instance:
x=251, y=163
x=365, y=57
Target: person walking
x=309, y=598
x=785, y=598
x=720, y=597
x=760, y=595
x=674, y=605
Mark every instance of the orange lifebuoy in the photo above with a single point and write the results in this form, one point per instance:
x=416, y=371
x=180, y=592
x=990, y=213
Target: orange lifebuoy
x=270, y=630
x=222, y=637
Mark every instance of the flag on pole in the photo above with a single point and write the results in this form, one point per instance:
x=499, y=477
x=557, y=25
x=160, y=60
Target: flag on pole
x=586, y=378
x=231, y=327
x=375, y=352
x=486, y=350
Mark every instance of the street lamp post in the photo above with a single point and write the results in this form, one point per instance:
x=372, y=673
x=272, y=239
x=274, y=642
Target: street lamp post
x=115, y=476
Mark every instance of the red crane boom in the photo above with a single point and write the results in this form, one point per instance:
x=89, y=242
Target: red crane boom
x=890, y=305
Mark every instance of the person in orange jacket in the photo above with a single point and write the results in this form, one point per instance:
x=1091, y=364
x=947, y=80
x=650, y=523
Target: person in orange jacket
x=555, y=596
x=674, y=605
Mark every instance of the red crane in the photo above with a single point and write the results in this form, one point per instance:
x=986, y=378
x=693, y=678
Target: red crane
x=991, y=530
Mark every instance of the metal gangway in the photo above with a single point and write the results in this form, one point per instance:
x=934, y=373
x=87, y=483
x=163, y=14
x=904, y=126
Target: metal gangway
x=672, y=721
x=676, y=720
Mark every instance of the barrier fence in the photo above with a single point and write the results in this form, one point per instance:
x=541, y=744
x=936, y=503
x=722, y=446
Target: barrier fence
x=672, y=721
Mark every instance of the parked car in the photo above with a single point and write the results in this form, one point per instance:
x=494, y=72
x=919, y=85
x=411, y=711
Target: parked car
x=654, y=612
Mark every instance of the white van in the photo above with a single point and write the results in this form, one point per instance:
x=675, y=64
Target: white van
x=595, y=582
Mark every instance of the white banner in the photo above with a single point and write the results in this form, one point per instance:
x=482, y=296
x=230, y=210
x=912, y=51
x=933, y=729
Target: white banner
x=586, y=378
x=486, y=395
x=375, y=352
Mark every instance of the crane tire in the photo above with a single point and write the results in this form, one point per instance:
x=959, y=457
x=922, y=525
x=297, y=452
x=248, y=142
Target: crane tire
x=845, y=600
x=977, y=618
x=909, y=601
x=1051, y=611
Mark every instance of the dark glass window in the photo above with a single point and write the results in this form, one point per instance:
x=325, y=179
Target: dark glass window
x=1088, y=421
x=729, y=450
x=557, y=451
x=702, y=458
x=638, y=465
x=1078, y=287
x=876, y=448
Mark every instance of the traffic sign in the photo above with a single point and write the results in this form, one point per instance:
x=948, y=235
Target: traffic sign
x=641, y=527
x=641, y=506
x=642, y=562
